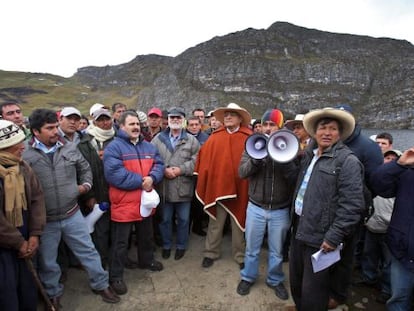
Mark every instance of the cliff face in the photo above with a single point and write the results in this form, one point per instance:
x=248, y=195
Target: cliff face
x=284, y=66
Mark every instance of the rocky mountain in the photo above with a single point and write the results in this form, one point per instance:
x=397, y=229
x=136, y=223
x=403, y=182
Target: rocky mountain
x=285, y=66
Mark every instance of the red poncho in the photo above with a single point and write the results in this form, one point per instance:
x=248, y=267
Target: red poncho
x=218, y=178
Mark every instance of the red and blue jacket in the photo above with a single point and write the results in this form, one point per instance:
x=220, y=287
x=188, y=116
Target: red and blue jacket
x=125, y=165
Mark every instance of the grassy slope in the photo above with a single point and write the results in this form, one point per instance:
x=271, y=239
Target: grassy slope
x=35, y=90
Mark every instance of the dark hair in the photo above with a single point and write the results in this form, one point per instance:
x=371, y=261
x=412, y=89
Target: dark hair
x=194, y=118
x=83, y=117
x=40, y=117
x=9, y=103
x=127, y=113
x=116, y=105
x=324, y=121
x=257, y=121
x=385, y=135
x=199, y=109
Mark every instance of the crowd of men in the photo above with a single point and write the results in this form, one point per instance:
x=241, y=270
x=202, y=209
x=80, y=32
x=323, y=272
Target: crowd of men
x=74, y=190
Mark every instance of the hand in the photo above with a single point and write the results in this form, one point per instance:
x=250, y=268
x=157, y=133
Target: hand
x=33, y=245
x=90, y=203
x=407, y=158
x=82, y=189
x=23, y=250
x=147, y=183
x=326, y=247
x=171, y=172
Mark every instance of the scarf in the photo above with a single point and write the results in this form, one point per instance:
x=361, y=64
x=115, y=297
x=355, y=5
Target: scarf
x=100, y=134
x=14, y=191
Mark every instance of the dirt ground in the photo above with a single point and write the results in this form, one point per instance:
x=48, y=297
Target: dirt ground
x=186, y=285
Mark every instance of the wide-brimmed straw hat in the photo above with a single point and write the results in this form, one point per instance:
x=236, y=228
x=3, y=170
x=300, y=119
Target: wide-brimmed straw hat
x=290, y=124
x=344, y=117
x=245, y=115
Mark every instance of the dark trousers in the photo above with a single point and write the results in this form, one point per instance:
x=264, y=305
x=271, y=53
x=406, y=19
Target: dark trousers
x=197, y=215
x=101, y=237
x=17, y=287
x=341, y=273
x=120, y=234
x=310, y=291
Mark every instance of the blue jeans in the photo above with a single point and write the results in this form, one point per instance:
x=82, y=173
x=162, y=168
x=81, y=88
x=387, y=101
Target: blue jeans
x=74, y=231
x=277, y=223
x=376, y=257
x=402, y=285
x=182, y=212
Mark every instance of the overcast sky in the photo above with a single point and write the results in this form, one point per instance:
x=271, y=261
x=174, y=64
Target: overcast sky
x=60, y=36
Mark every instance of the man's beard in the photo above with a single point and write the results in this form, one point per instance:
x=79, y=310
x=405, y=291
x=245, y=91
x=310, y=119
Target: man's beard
x=175, y=126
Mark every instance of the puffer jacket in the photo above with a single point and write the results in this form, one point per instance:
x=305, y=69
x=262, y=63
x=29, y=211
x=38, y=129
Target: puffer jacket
x=60, y=178
x=333, y=203
x=125, y=165
x=181, y=188
x=271, y=184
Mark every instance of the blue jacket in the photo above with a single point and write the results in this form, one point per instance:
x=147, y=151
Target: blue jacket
x=393, y=180
x=366, y=150
x=125, y=165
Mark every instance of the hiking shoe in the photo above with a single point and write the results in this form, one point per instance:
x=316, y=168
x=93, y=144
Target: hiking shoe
x=108, y=295
x=119, y=287
x=280, y=290
x=207, y=262
x=244, y=287
x=155, y=266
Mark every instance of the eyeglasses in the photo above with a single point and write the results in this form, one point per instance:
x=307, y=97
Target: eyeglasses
x=231, y=114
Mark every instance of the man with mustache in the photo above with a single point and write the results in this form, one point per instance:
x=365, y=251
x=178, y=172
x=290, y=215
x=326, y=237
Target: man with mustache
x=64, y=175
x=131, y=166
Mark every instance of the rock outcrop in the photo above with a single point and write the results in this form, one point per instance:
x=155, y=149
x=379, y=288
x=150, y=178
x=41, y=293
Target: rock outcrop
x=285, y=66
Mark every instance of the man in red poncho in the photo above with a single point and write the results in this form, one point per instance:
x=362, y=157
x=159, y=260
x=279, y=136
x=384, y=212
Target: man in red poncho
x=219, y=187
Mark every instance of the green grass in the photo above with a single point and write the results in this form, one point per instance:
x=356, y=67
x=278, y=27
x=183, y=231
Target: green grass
x=33, y=90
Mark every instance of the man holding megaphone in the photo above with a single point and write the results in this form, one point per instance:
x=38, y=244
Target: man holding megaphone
x=270, y=195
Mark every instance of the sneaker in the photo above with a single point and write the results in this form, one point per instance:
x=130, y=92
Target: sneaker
x=244, y=287
x=280, y=290
x=119, y=287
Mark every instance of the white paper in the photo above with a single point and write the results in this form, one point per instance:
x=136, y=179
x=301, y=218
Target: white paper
x=322, y=260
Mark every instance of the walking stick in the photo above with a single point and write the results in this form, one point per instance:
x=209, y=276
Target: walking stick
x=39, y=285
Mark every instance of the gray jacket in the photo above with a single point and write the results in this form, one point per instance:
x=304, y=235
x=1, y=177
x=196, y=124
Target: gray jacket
x=333, y=203
x=180, y=189
x=60, y=178
x=271, y=184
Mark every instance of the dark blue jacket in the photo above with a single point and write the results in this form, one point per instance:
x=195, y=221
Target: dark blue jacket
x=366, y=150
x=393, y=180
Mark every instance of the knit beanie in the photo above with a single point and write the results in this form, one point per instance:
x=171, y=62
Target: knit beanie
x=10, y=134
x=142, y=116
x=273, y=115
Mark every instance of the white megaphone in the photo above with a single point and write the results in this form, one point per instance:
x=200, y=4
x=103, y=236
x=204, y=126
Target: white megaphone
x=256, y=146
x=97, y=211
x=283, y=146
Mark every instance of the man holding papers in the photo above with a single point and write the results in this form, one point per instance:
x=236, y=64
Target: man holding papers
x=328, y=203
